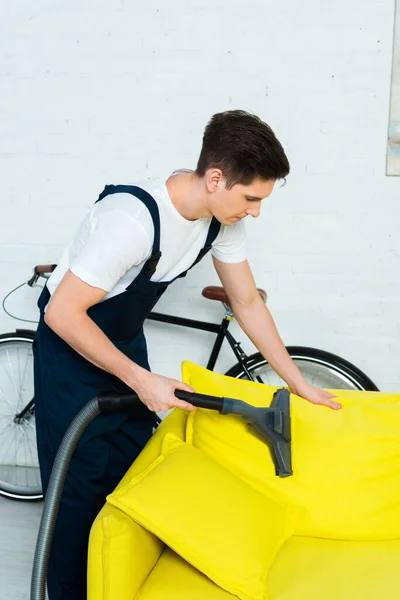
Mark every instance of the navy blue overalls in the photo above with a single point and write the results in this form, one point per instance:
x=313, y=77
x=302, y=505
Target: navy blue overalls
x=65, y=381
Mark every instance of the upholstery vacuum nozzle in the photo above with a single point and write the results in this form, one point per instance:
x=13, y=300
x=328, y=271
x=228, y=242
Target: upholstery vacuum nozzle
x=272, y=423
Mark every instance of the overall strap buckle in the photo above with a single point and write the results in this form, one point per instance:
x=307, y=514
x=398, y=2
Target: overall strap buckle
x=151, y=265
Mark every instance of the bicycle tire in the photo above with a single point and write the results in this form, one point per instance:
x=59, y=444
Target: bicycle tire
x=29, y=490
x=351, y=376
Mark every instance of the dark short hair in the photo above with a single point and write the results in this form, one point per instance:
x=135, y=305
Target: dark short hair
x=243, y=147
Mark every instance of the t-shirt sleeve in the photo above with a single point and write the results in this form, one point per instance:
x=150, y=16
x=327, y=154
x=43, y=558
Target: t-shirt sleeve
x=116, y=243
x=230, y=244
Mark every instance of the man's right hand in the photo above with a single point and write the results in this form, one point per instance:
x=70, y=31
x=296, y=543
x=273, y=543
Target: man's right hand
x=157, y=392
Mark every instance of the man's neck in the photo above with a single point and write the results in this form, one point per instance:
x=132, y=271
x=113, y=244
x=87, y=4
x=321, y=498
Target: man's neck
x=188, y=195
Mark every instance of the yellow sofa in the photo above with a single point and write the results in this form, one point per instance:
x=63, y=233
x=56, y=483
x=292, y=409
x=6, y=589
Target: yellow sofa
x=346, y=489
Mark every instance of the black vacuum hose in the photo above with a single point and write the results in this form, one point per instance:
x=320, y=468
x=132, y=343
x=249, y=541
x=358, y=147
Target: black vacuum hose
x=105, y=403
x=53, y=495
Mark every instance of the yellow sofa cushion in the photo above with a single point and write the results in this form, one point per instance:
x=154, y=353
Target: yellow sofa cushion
x=304, y=569
x=219, y=524
x=346, y=463
x=316, y=569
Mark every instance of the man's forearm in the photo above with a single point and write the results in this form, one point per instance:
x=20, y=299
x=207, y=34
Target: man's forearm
x=85, y=337
x=257, y=322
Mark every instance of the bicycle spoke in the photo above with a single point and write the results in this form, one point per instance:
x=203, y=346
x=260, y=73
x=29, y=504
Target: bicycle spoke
x=32, y=462
x=9, y=426
x=21, y=377
x=21, y=373
x=28, y=355
x=7, y=416
x=9, y=376
x=31, y=445
x=5, y=398
x=10, y=432
x=30, y=424
x=16, y=450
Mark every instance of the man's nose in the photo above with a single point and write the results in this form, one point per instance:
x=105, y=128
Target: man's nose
x=254, y=211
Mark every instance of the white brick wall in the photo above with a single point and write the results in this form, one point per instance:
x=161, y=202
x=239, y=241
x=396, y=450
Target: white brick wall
x=112, y=91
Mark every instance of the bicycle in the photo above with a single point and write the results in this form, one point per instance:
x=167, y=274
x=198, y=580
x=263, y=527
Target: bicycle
x=19, y=471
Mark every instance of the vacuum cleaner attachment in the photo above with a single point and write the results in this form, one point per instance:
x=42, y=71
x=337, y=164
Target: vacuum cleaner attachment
x=272, y=423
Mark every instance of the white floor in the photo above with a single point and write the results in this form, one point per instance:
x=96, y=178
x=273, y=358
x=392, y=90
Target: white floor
x=19, y=523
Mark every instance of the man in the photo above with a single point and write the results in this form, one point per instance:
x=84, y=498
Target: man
x=135, y=242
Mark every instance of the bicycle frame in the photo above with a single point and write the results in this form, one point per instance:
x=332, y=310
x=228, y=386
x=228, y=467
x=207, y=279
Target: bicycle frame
x=221, y=331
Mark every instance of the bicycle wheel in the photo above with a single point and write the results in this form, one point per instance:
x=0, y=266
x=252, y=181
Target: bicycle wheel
x=19, y=467
x=319, y=368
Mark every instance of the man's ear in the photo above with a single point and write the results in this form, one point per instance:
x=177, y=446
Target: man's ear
x=214, y=179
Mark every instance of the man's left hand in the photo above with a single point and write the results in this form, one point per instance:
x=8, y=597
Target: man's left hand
x=317, y=396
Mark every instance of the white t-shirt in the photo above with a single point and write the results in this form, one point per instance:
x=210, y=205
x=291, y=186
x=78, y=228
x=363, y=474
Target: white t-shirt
x=115, y=239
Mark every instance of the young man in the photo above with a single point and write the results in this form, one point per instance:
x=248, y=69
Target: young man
x=135, y=242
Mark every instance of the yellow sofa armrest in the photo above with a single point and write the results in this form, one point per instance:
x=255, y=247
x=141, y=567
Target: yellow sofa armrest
x=122, y=553
x=121, y=556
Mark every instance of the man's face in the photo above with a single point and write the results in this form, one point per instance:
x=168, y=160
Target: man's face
x=231, y=206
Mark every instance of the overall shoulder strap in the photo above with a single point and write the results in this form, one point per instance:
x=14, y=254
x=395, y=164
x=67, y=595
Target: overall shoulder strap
x=151, y=205
x=213, y=231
